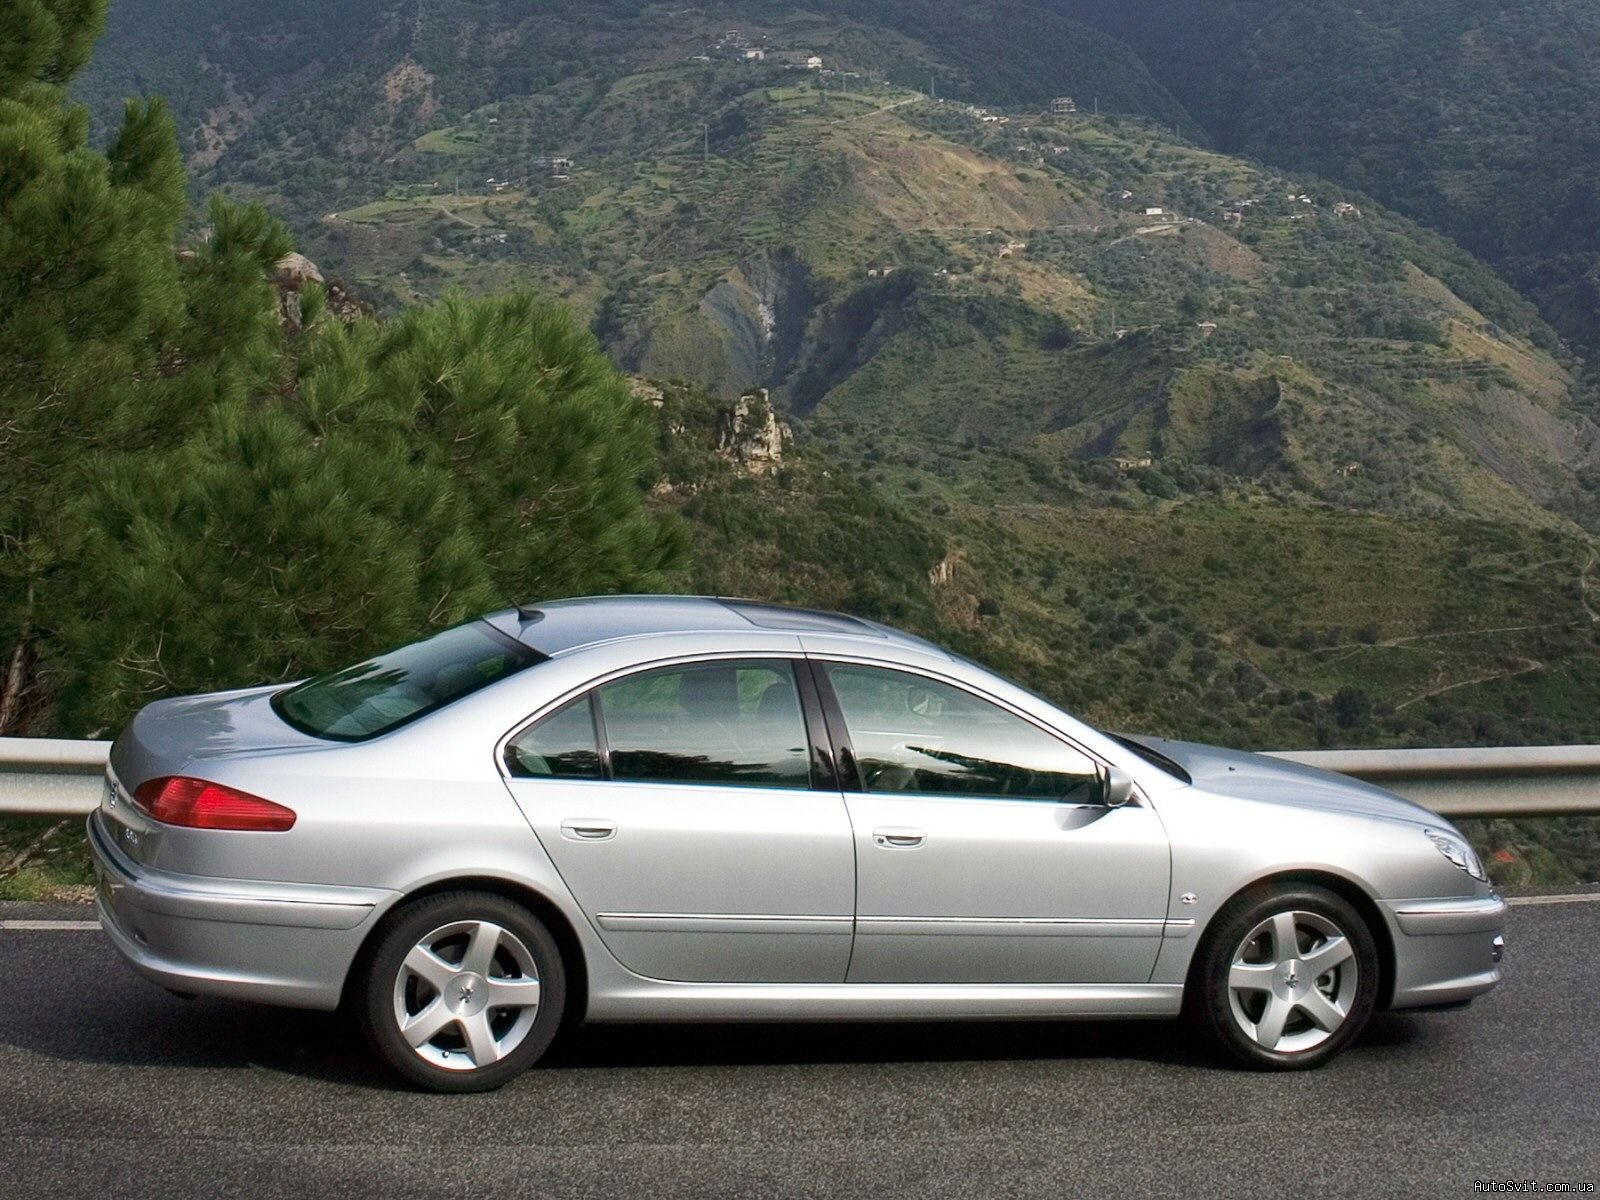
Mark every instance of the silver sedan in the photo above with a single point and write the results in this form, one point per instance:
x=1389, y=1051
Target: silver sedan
x=690, y=809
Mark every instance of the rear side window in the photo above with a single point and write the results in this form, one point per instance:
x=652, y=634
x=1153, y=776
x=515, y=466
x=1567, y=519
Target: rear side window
x=729, y=723
x=386, y=691
x=726, y=723
x=562, y=746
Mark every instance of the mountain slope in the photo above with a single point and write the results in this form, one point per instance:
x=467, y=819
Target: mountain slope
x=912, y=275
x=1478, y=117
x=259, y=70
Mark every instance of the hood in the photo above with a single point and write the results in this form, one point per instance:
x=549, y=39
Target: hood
x=168, y=736
x=1260, y=777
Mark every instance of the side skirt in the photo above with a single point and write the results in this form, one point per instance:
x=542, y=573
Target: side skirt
x=658, y=1000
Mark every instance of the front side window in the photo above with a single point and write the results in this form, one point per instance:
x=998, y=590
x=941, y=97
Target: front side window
x=918, y=735
x=729, y=723
x=384, y=692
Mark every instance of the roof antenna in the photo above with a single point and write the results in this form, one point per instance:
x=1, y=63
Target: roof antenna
x=528, y=614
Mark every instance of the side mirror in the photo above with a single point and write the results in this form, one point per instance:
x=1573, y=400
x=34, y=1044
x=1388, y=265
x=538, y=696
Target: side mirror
x=1118, y=788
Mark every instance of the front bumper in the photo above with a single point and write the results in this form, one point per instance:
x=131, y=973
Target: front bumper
x=279, y=943
x=1446, y=951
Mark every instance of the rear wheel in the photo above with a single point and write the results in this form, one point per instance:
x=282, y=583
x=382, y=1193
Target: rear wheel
x=462, y=992
x=1286, y=979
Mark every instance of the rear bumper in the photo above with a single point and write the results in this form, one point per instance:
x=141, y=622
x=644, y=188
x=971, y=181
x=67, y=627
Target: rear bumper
x=279, y=943
x=1446, y=951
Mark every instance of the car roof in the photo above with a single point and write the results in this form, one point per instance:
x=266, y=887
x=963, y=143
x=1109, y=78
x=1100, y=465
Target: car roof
x=561, y=626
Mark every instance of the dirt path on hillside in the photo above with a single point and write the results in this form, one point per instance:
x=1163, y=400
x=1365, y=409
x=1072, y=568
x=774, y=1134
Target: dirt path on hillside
x=1583, y=588
x=1526, y=666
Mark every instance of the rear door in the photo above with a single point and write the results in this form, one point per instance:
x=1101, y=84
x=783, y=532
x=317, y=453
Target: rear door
x=678, y=804
x=984, y=853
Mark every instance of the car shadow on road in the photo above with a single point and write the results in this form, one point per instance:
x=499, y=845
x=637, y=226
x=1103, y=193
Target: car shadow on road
x=124, y=1021
x=1167, y=1042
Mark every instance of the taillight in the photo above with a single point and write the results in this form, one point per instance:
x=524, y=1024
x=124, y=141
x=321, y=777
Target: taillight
x=199, y=804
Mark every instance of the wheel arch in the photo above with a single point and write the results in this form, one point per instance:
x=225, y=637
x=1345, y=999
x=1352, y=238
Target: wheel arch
x=535, y=901
x=1342, y=886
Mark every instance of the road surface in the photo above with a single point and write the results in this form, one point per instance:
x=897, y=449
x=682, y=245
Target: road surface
x=112, y=1088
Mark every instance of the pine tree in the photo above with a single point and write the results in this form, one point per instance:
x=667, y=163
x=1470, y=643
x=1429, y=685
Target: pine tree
x=417, y=473
x=191, y=498
x=88, y=289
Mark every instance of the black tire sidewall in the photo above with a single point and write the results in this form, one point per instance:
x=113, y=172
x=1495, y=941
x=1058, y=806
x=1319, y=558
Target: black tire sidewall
x=1209, y=1005
x=403, y=930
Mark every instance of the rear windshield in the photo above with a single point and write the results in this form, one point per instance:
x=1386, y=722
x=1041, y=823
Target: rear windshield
x=384, y=692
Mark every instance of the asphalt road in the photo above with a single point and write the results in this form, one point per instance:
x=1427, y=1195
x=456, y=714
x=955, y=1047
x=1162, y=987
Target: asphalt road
x=110, y=1087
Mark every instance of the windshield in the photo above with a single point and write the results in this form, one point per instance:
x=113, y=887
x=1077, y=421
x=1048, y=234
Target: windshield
x=390, y=689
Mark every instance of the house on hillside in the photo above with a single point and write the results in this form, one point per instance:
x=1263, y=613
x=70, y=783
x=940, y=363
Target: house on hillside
x=1063, y=106
x=554, y=165
x=814, y=62
x=1155, y=212
x=755, y=54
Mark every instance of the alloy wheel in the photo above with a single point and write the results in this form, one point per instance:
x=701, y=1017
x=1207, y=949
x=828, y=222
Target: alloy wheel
x=466, y=995
x=1293, y=981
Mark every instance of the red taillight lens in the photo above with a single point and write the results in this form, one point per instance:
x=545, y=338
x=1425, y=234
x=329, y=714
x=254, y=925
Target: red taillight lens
x=179, y=800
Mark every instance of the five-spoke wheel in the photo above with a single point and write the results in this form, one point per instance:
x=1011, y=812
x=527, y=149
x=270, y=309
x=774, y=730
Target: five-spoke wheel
x=463, y=991
x=1286, y=978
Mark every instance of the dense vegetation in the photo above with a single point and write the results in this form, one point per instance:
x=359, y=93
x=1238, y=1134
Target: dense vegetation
x=210, y=480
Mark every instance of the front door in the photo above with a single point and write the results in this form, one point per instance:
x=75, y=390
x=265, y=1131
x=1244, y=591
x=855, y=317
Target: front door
x=983, y=852
x=677, y=805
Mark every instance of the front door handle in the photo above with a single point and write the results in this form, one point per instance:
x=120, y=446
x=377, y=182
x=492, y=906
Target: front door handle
x=894, y=838
x=588, y=829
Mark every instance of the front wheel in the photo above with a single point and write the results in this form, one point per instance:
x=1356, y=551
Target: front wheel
x=462, y=992
x=1286, y=978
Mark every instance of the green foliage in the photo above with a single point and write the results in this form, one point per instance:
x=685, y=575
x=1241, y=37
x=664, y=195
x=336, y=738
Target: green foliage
x=194, y=499
x=419, y=472
x=89, y=291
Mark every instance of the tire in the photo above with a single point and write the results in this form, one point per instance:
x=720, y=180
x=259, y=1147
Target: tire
x=437, y=968
x=1273, y=1010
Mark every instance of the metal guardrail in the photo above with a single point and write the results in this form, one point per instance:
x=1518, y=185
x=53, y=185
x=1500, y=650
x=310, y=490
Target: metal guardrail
x=50, y=776
x=1518, y=781
x=61, y=777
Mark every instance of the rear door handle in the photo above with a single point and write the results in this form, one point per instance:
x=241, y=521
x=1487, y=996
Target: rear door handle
x=588, y=829
x=894, y=838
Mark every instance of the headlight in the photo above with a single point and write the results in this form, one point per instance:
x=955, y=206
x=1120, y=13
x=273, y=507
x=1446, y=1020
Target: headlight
x=1457, y=851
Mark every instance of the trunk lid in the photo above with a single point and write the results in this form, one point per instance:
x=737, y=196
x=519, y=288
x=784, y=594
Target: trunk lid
x=178, y=737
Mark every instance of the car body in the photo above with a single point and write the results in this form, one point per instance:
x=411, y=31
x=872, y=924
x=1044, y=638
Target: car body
x=722, y=810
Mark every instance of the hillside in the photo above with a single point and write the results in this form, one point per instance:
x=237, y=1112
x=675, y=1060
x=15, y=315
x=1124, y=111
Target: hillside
x=1478, y=117
x=1473, y=117
x=352, y=80
x=937, y=280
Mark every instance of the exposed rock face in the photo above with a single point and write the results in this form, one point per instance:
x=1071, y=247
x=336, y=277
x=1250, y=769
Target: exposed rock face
x=760, y=307
x=295, y=272
x=650, y=393
x=749, y=434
